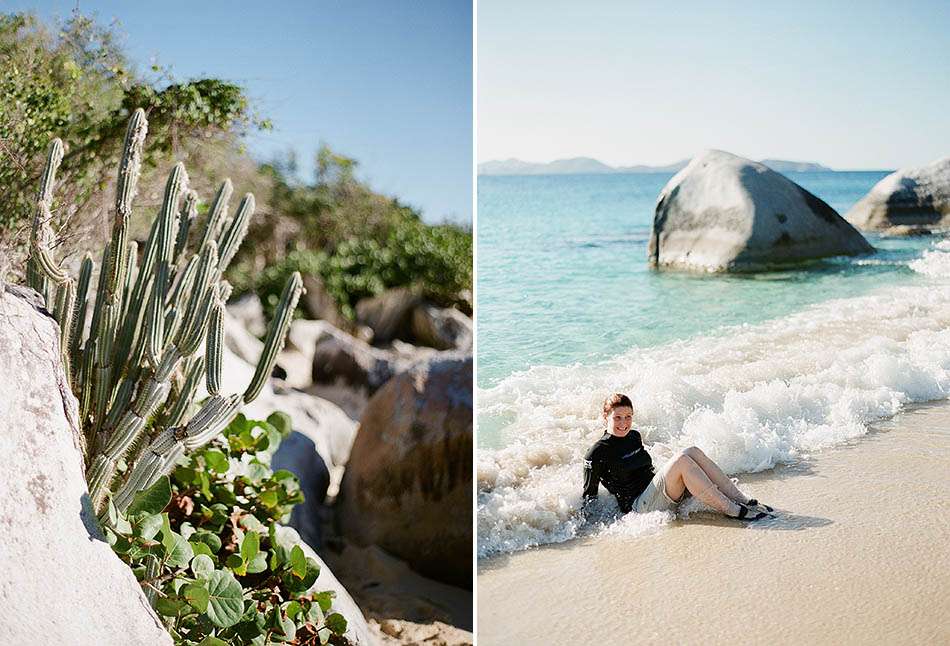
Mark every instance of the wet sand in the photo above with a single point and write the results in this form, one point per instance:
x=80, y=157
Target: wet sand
x=860, y=554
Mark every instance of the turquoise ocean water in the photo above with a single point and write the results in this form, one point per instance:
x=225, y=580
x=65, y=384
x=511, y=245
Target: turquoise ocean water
x=756, y=369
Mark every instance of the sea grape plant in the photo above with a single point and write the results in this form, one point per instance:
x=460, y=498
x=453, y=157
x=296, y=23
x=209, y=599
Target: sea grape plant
x=135, y=366
x=210, y=555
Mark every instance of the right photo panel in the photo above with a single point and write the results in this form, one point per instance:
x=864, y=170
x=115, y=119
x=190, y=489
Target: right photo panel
x=713, y=323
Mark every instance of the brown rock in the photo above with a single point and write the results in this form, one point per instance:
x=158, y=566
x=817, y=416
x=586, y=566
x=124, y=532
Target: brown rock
x=408, y=484
x=318, y=303
x=388, y=314
x=341, y=358
x=441, y=328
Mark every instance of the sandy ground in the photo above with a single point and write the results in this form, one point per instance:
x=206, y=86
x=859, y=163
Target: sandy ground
x=403, y=607
x=860, y=555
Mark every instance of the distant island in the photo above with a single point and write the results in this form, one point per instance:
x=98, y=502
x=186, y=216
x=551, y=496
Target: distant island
x=590, y=166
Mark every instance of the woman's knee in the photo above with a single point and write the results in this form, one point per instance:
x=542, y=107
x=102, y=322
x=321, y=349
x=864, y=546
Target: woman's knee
x=694, y=452
x=682, y=461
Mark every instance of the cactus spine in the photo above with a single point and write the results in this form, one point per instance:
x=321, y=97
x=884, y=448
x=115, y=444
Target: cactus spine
x=137, y=369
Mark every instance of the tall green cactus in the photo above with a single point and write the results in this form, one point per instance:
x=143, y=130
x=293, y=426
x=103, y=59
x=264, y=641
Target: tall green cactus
x=136, y=370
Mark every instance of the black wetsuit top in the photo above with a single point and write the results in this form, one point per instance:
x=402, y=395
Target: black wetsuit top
x=622, y=464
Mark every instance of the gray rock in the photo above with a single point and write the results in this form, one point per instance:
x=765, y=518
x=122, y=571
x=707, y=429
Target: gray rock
x=239, y=341
x=907, y=202
x=61, y=582
x=408, y=484
x=248, y=310
x=443, y=328
x=388, y=313
x=298, y=454
x=318, y=303
x=356, y=629
x=297, y=356
x=726, y=213
x=329, y=428
x=341, y=358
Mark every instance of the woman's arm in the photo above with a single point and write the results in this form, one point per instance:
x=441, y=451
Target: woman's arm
x=591, y=477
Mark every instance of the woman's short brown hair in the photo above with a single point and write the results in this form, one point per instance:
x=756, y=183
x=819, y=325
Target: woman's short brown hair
x=615, y=401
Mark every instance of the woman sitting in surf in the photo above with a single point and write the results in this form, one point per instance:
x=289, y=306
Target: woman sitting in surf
x=619, y=460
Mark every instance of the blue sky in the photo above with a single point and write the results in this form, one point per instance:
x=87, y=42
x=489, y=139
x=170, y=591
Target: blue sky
x=853, y=85
x=388, y=83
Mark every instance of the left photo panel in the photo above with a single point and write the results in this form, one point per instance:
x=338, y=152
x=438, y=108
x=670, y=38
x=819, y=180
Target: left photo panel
x=236, y=323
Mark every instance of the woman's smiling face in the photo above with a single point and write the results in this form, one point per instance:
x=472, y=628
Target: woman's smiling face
x=620, y=420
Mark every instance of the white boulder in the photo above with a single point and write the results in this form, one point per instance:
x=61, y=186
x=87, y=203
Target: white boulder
x=908, y=201
x=61, y=583
x=726, y=213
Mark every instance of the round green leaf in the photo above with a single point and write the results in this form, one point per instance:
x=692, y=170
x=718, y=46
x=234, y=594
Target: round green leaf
x=152, y=500
x=225, y=599
x=298, y=562
x=269, y=499
x=258, y=563
x=213, y=541
x=250, y=545
x=196, y=595
x=178, y=551
x=200, y=548
x=113, y=513
x=292, y=608
x=281, y=421
x=202, y=565
x=149, y=525
x=216, y=460
x=168, y=606
x=337, y=623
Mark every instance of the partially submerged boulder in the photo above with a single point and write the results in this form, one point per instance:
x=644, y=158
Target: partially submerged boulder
x=726, y=213
x=908, y=201
x=408, y=484
x=61, y=582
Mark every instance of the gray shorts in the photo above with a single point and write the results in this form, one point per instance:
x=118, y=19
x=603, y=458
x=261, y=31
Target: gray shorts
x=654, y=497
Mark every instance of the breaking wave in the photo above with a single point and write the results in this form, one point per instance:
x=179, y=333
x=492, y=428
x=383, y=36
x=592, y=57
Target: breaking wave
x=751, y=396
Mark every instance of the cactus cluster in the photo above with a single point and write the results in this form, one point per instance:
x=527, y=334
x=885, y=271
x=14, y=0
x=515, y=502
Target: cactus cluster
x=136, y=366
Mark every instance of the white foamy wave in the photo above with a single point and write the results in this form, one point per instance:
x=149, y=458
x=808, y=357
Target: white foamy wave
x=751, y=397
x=935, y=261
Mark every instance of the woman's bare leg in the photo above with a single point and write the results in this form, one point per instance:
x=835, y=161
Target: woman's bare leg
x=721, y=480
x=685, y=475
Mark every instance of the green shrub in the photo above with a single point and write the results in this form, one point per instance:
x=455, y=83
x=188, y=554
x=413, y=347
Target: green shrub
x=436, y=259
x=206, y=550
x=73, y=81
x=358, y=241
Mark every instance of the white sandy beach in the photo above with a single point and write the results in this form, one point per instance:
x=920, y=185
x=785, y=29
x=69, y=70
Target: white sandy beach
x=861, y=554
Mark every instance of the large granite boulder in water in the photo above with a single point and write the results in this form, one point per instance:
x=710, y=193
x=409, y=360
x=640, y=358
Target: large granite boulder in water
x=61, y=583
x=408, y=484
x=910, y=200
x=727, y=213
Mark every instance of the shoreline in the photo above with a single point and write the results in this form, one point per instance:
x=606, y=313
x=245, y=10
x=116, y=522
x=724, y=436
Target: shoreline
x=860, y=555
